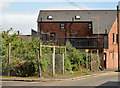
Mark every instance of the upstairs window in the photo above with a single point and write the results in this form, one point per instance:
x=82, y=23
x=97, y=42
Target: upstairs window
x=49, y=17
x=116, y=38
x=62, y=26
x=52, y=36
x=89, y=26
x=77, y=17
x=113, y=37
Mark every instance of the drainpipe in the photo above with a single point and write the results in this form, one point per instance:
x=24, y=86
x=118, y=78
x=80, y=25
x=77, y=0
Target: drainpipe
x=118, y=37
x=18, y=33
x=70, y=28
x=40, y=26
x=68, y=35
x=71, y=24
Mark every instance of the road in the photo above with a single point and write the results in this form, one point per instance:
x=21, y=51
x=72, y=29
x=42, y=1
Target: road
x=110, y=79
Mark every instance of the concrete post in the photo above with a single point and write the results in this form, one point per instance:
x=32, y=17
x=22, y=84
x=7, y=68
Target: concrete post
x=63, y=63
x=53, y=62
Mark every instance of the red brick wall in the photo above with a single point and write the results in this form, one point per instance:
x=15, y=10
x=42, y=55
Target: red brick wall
x=112, y=51
x=54, y=28
x=81, y=29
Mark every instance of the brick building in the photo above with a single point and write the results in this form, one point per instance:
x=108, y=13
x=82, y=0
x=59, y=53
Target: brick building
x=83, y=29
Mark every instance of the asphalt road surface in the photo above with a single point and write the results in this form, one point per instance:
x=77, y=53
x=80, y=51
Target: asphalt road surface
x=110, y=79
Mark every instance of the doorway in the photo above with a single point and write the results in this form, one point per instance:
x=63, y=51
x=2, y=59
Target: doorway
x=104, y=60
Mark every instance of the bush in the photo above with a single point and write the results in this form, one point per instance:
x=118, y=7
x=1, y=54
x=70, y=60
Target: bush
x=76, y=58
x=24, y=54
x=68, y=66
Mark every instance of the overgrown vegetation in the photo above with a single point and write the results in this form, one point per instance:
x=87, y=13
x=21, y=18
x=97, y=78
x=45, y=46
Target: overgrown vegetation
x=24, y=53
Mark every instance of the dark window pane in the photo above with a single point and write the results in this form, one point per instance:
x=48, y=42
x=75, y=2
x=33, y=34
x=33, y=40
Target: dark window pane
x=90, y=26
x=116, y=38
x=44, y=37
x=52, y=36
x=73, y=35
x=113, y=37
x=62, y=26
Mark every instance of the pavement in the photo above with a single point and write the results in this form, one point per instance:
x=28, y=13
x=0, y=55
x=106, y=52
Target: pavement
x=96, y=80
x=59, y=78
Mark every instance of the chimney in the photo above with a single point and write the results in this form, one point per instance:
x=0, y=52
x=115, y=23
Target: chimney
x=4, y=32
x=18, y=33
x=105, y=31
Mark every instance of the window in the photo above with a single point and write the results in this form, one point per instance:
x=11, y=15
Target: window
x=90, y=26
x=44, y=37
x=116, y=38
x=49, y=17
x=113, y=37
x=77, y=17
x=52, y=36
x=73, y=35
x=62, y=26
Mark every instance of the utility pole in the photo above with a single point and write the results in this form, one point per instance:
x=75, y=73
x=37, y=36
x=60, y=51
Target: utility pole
x=118, y=38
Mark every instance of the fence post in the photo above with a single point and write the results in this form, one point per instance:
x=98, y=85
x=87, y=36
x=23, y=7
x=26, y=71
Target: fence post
x=8, y=66
x=65, y=50
x=53, y=62
x=39, y=65
x=98, y=58
x=91, y=59
x=63, y=64
x=39, y=60
x=60, y=50
x=40, y=52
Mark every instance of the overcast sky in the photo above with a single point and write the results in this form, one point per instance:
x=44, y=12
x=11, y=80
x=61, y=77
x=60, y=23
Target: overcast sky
x=22, y=15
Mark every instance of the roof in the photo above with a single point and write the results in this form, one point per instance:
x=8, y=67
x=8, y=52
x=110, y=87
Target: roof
x=102, y=20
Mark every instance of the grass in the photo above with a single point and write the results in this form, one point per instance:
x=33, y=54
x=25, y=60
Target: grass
x=73, y=73
x=18, y=77
x=87, y=74
x=70, y=73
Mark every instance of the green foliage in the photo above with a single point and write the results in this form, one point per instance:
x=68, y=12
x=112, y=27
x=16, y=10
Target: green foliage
x=76, y=58
x=22, y=51
x=44, y=63
x=24, y=54
x=68, y=64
